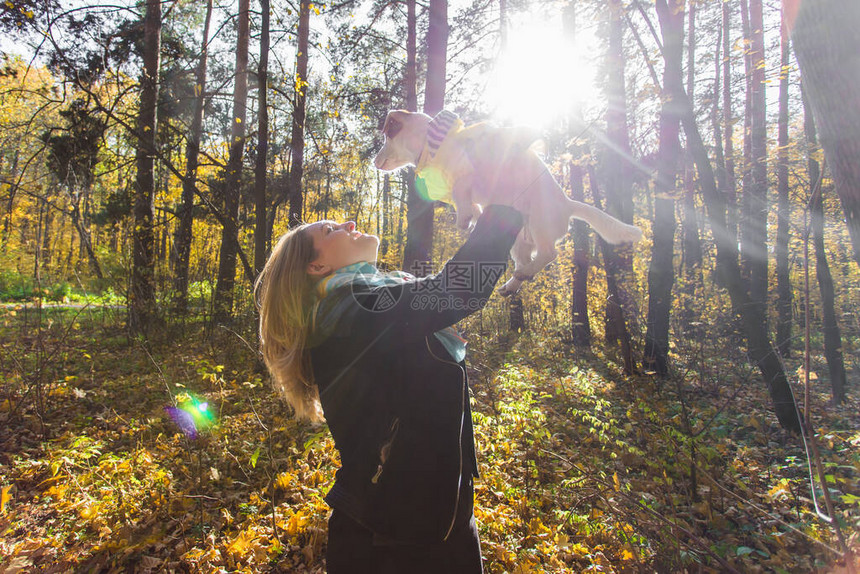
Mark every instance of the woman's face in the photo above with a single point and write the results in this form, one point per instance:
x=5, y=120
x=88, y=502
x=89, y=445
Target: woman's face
x=339, y=244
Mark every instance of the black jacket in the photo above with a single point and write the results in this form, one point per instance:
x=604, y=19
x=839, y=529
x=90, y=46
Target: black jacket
x=395, y=401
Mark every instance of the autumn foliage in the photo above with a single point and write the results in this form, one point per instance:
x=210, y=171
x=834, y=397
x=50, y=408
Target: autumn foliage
x=636, y=409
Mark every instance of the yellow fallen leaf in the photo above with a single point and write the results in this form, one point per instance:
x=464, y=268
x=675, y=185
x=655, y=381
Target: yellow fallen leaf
x=283, y=480
x=5, y=497
x=240, y=545
x=626, y=555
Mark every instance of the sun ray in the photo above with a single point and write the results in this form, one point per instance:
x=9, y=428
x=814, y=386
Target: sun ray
x=542, y=76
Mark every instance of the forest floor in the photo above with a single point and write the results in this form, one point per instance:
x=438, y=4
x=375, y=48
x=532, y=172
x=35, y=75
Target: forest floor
x=582, y=469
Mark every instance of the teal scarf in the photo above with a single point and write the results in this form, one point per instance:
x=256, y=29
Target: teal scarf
x=367, y=274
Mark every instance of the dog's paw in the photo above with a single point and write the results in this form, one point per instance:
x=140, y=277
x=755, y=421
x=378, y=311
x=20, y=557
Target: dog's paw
x=504, y=292
x=510, y=287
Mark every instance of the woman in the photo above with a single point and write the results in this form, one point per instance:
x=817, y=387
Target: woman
x=377, y=356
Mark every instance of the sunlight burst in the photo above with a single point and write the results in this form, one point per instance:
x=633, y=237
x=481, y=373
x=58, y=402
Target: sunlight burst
x=542, y=76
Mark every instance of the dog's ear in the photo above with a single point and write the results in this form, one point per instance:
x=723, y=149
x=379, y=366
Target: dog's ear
x=394, y=122
x=392, y=127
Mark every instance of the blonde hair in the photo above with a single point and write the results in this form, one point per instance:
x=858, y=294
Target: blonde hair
x=286, y=299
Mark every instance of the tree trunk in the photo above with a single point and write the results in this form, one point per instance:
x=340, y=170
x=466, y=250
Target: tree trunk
x=85, y=241
x=758, y=256
x=760, y=350
x=661, y=274
x=162, y=236
x=223, y=296
x=261, y=236
x=419, y=212
x=580, y=324
x=416, y=255
x=692, y=243
x=142, y=292
x=401, y=210
x=580, y=327
x=716, y=126
x=13, y=187
x=184, y=235
x=437, y=55
x=46, y=236
x=832, y=334
x=297, y=141
x=613, y=301
x=827, y=46
x=410, y=79
x=619, y=194
x=386, y=215
x=746, y=164
x=37, y=255
x=517, y=318
x=503, y=23
x=730, y=189
x=783, y=279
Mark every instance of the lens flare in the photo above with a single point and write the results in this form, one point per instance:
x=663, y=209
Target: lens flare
x=432, y=185
x=192, y=416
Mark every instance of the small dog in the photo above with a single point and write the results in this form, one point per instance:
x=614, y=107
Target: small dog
x=481, y=164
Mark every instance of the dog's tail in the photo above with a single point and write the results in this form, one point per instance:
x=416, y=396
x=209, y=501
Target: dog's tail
x=612, y=230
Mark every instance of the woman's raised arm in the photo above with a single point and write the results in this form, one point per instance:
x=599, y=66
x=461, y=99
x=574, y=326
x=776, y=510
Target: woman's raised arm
x=428, y=304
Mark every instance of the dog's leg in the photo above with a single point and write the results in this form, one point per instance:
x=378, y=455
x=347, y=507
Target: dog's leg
x=467, y=210
x=462, y=196
x=545, y=255
x=521, y=253
x=547, y=224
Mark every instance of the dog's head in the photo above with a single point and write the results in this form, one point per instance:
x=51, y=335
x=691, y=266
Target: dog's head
x=405, y=136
